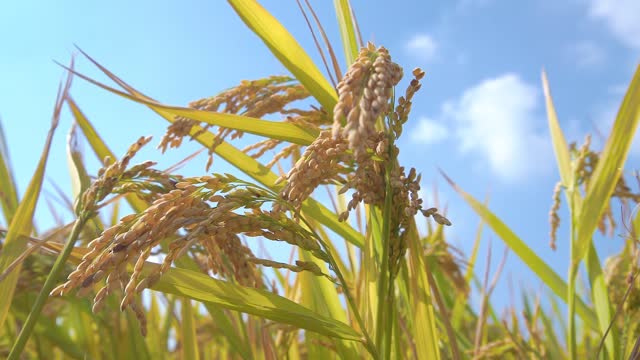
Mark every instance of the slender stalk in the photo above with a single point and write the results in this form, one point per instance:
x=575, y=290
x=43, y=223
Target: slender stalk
x=49, y=284
x=573, y=272
x=384, y=330
x=571, y=301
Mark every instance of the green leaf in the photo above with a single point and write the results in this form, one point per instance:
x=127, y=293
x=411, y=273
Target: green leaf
x=80, y=179
x=8, y=192
x=220, y=318
x=320, y=295
x=287, y=50
x=137, y=346
x=583, y=243
x=21, y=224
x=347, y=30
x=200, y=287
x=272, y=129
x=600, y=298
x=423, y=313
x=560, y=147
x=189, y=341
x=609, y=168
x=528, y=256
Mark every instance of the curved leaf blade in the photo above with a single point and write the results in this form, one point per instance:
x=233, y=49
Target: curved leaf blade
x=200, y=287
x=288, y=51
x=609, y=167
x=560, y=147
x=347, y=30
x=599, y=291
x=21, y=224
x=271, y=129
x=8, y=192
x=528, y=256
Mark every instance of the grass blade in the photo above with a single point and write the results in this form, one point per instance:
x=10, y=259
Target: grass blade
x=560, y=147
x=217, y=293
x=425, y=333
x=609, y=167
x=189, y=343
x=601, y=186
x=203, y=288
x=320, y=295
x=272, y=129
x=601, y=304
x=8, y=192
x=347, y=30
x=288, y=51
x=533, y=261
x=21, y=224
x=80, y=179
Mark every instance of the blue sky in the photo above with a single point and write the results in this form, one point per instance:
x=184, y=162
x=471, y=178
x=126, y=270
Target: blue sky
x=479, y=116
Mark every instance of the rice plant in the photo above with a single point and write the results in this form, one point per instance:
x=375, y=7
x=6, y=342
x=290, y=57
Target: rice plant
x=178, y=276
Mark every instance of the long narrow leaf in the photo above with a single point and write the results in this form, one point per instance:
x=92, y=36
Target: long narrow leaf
x=609, y=168
x=347, y=30
x=80, y=179
x=533, y=261
x=272, y=129
x=601, y=186
x=21, y=224
x=283, y=45
x=200, y=287
x=600, y=297
x=189, y=341
x=599, y=291
x=8, y=192
x=320, y=295
x=560, y=147
x=425, y=332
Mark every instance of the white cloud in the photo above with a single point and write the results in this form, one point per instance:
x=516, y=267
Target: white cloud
x=498, y=121
x=429, y=131
x=423, y=46
x=587, y=54
x=621, y=16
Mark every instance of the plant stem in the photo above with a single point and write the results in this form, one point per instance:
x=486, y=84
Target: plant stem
x=384, y=330
x=573, y=272
x=571, y=301
x=49, y=283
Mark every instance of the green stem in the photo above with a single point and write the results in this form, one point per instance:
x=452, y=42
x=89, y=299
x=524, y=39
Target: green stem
x=49, y=283
x=573, y=272
x=384, y=329
x=571, y=301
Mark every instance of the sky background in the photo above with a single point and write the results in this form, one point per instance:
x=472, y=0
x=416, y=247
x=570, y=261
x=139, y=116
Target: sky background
x=479, y=116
